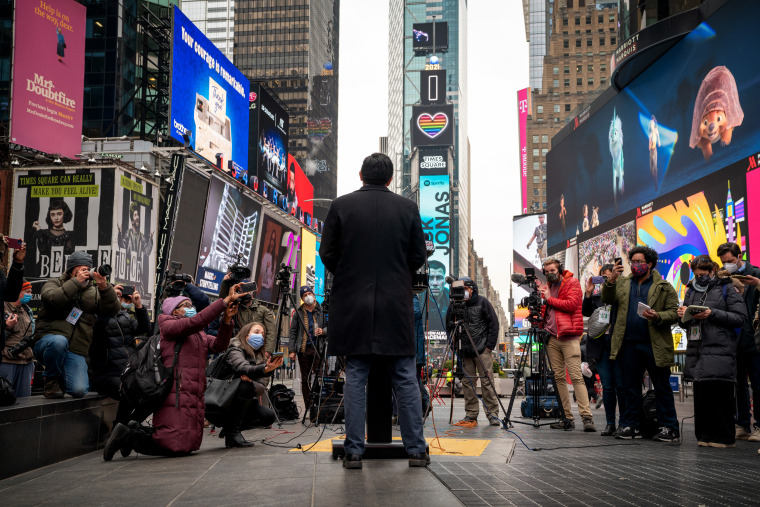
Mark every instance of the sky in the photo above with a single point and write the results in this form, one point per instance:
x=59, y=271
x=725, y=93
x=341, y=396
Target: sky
x=497, y=68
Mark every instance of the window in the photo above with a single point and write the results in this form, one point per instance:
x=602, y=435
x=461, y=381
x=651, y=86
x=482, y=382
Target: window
x=603, y=81
x=588, y=20
x=578, y=69
x=567, y=69
x=579, y=81
x=535, y=191
x=535, y=166
x=565, y=44
x=543, y=178
x=544, y=204
x=591, y=81
x=589, y=42
x=612, y=18
x=555, y=71
x=536, y=180
x=564, y=22
x=603, y=67
x=601, y=19
x=543, y=192
x=577, y=21
x=590, y=68
x=535, y=139
x=567, y=83
x=543, y=165
x=543, y=151
x=536, y=204
x=555, y=83
x=602, y=42
x=556, y=108
x=567, y=107
x=613, y=41
x=544, y=138
x=577, y=43
x=535, y=152
x=539, y=109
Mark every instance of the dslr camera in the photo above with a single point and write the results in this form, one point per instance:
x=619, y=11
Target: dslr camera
x=175, y=282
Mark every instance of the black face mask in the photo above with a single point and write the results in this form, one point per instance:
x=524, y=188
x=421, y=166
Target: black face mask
x=702, y=280
x=552, y=277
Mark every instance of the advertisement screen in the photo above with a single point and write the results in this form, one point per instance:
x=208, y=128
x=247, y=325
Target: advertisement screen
x=529, y=251
x=753, y=207
x=279, y=245
x=59, y=211
x=433, y=125
x=434, y=211
x=691, y=113
x=300, y=193
x=523, y=110
x=209, y=99
x=319, y=275
x=192, y=208
x=695, y=221
x=48, y=76
x=602, y=249
x=308, y=259
x=422, y=36
x=434, y=161
x=433, y=86
x=135, y=215
x=272, y=144
x=229, y=234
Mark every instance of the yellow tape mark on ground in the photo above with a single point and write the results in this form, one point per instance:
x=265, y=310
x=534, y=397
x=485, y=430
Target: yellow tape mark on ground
x=441, y=446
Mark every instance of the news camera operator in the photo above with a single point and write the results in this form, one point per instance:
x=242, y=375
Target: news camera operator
x=183, y=285
x=10, y=285
x=70, y=306
x=563, y=321
x=17, y=358
x=483, y=326
x=304, y=344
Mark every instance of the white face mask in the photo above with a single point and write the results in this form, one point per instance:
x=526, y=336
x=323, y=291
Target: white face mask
x=467, y=295
x=731, y=267
x=309, y=300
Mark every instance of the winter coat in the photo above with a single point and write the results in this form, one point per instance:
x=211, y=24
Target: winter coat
x=24, y=327
x=256, y=312
x=746, y=344
x=713, y=357
x=10, y=288
x=598, y=347
x=482, y=323
x=567, y=307
x=419, y=330
x=60, y=296
x=661, y=298
x=179, y=422
x=372, y=242
x=113, y=340
x=238, y=363
x=299, y=345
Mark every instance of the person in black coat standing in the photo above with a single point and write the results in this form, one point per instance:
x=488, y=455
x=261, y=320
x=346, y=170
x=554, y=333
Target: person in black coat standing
x=372, y=242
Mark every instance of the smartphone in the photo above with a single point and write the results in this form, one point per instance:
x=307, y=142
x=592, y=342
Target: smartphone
x=248, y=287
x=14, y=243
x=618, y=260
x=596, y=280
x=277, y=354
x=127, y=290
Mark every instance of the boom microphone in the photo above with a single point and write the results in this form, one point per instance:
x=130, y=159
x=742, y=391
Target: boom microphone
x=519, y=279
x=450, y=279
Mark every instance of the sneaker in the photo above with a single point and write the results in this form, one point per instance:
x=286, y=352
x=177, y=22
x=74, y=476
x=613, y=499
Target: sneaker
x=667, y=435
x=628, y=433
x=494, y=421
x=755, y=435
x=119, y=437
x=743, y=433
x=565, y=424
x=52, y=388
x=588, y=425
x=419, y=460
x=467, y=421
x=599, y=403
x=352, y=461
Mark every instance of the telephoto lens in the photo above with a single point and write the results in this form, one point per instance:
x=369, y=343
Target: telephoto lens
x=104, y=270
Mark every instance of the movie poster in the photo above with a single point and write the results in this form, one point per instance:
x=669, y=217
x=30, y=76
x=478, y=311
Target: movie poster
x=279, y=245
x=59, y=211
x=229, y=234
x=135, y=215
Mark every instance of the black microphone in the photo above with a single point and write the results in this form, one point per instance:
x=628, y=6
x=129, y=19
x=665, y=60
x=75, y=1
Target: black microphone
x=430, y=248
x=519, y=279
x=450, y=279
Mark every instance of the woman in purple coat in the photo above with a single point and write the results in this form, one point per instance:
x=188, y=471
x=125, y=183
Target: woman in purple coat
x=178, y=425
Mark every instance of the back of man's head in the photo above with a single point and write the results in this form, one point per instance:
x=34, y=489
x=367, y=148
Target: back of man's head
x=377, y=169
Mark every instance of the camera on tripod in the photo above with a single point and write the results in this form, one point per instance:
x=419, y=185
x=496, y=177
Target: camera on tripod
x=283, y=276
x=238, y=272
x=533, y=301
x=176, y=281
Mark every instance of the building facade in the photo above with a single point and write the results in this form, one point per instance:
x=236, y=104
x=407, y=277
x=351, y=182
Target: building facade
x=215, y=18
x=294, y=49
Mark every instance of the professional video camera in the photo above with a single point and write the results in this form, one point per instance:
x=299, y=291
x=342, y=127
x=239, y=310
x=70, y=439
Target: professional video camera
x=175, y=282
x=238, y=272
x=283, y=276
x=533, y=301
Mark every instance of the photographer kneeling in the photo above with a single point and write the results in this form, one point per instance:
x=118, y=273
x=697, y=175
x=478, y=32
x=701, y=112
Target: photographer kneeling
x=245, y=360
x=712, y=312
x=70, y=306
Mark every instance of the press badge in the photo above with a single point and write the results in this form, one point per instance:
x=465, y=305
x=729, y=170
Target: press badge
x=74, y=316
x=604, y=315
x=695, y=332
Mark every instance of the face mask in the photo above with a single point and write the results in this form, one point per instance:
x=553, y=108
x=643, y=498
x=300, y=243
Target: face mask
x=702, y=280
x=639, y=269
x=255, y=340
x=127, y=306
x=309, y=300
x=467, y=295
x=190, y=312
x=24, y=300
x=731, y=267
x=552, y=277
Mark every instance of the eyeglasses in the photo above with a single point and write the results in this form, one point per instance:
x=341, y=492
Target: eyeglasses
x=185, y=304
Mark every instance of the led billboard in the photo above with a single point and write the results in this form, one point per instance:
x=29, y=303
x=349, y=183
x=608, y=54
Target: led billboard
x=753, y=206
x=433, y=125
x=48, y=76
x=209, y=99
x=435, y=200
x=523, y=110
x=528, y=251
x=279, y=245
x=692, y=112
x=300, y=194
x=308, y=259
x=602, y=249
x=424, y=33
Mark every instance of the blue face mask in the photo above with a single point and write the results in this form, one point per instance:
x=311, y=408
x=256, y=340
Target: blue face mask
x=255, y=340
x=127, y=306
x=190, y=312
x=24, y=300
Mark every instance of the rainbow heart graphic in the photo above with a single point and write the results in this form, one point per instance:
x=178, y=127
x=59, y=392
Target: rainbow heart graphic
x=432, y=126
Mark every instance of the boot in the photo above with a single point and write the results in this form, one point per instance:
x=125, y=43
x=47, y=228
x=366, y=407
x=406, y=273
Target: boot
x=232, y=435
x=52, y=388
x=235, y=439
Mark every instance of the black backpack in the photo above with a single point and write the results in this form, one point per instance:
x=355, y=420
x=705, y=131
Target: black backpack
x=145, y=381
x=282, y=402
x=648, y=424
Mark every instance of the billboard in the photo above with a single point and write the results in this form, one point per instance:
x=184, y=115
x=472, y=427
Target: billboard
x=434, y=161
x=48, y=76
x=602, y=249
x=528, y=251
x=300, y=194
x=229, y=234
x=664, y=130
x=753, y=206
x=279, y=245
x=134, y=242
x=209, y=99
x=435, y=199
x=319, y=275
x=523, y=110
x=423, y=35
x=433, y=125
x=186, y=241
x=694, y=221
x=433, y=86
x=59, y=211
x=308, y=259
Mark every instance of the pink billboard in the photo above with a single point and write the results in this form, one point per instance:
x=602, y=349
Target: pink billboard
x=48, y=75
x=523, y=110
x=753, y=208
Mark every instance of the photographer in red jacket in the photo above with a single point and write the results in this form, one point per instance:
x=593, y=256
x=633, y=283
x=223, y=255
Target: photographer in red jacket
x=563, y=323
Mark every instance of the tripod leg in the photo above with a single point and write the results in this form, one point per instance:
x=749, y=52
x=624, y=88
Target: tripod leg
x=483, y=369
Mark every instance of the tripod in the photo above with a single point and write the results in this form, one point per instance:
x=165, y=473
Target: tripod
x=538, y=376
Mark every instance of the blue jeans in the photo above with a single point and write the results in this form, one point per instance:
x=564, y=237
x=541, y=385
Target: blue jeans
x=612, y=383
x=634, y=358
x=747, y=363
x=20, y=375
x=407, y=390
x=52, y=350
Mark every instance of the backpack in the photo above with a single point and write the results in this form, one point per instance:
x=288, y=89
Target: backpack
x=648, y=424
x=282, y=402
x=146, y=381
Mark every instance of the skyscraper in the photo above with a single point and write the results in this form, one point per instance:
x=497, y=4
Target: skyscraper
x=404, y=67
x=215, y=18
x=294, y=48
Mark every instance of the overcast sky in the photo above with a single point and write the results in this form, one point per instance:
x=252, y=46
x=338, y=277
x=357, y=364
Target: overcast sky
x=498, y=67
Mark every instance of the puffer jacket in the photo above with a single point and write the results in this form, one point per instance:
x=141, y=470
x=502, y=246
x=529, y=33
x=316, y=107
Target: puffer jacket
x=599, y=347
x=567, y=306
x=299, y=345
x=238, y=363
x=24, y=327
x=661, y=298
x=482, y=323
x=179, y=421
x=60, y=296
x=113, y=340
x=746, y=344
x=713, y=357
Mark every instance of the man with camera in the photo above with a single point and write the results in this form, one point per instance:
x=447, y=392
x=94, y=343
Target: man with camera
x=250, y=310
x=70, y=306
x=304, y=343
x=483, y=325
x=563, y=322
x=647, y=307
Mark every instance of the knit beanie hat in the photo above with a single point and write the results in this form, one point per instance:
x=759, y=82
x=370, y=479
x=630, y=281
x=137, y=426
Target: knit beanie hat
x=304, y=289
x=78, y=258
x=26, y=285
x=171, y=304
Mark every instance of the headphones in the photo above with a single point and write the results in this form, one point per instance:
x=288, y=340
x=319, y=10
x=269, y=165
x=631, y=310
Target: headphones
x=561, y=268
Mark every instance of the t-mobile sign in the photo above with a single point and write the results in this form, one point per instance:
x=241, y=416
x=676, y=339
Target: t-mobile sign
x=523, y=110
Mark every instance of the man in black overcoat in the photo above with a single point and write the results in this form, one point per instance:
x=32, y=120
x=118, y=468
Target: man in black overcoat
x=372, y=242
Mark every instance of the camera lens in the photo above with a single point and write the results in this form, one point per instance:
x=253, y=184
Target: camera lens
x=105, y=270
